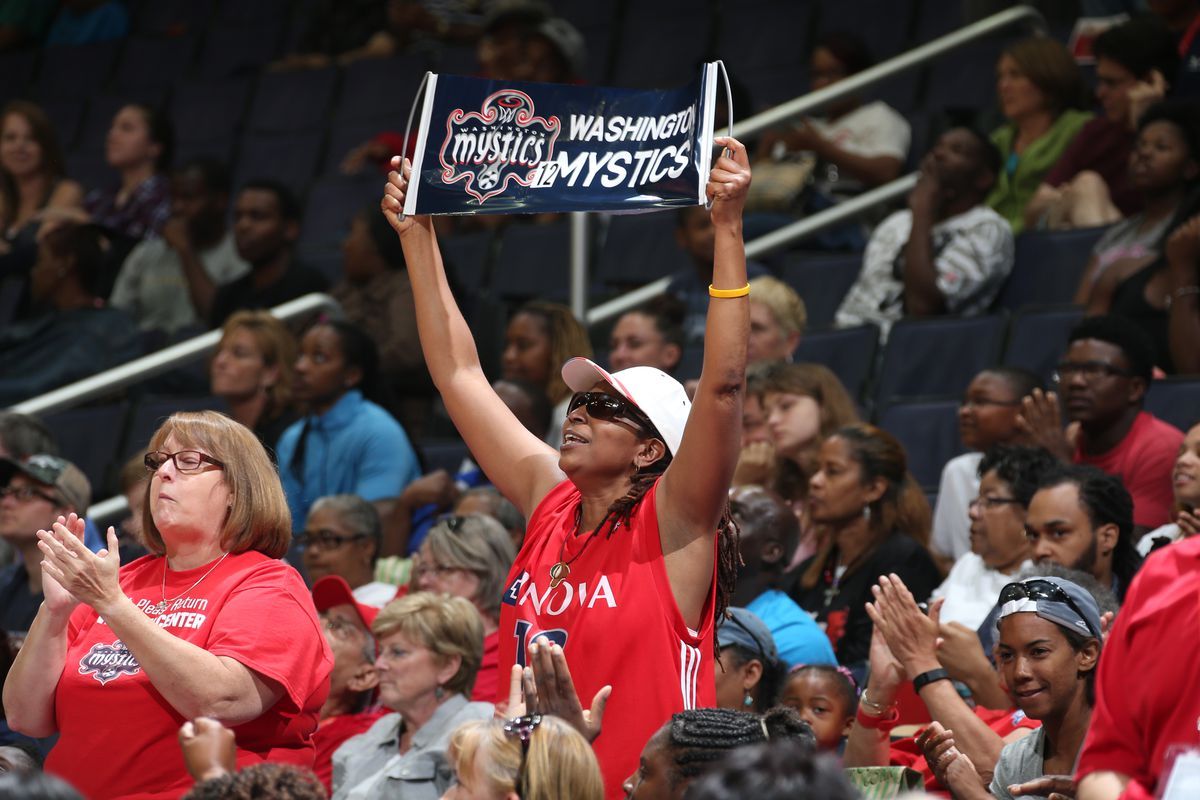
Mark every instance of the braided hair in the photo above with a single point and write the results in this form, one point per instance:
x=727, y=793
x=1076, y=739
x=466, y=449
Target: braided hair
x=698, y=737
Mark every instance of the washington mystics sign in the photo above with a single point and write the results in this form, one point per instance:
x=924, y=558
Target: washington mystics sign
x=491, y=148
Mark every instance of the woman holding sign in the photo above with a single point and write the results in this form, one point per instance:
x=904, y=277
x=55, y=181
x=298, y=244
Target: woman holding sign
x=629, y=552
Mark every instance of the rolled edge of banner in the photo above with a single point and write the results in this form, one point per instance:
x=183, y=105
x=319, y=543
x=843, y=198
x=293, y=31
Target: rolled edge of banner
x=429, y=88
x=709, y=80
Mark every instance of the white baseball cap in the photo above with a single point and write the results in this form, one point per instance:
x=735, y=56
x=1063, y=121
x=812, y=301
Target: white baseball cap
x=655, y=393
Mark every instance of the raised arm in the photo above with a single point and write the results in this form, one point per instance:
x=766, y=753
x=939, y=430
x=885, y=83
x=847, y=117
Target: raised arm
x=694, y=489
x=521, y=466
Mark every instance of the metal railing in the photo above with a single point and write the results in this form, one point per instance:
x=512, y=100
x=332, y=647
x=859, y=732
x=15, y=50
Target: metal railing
x=784, y=112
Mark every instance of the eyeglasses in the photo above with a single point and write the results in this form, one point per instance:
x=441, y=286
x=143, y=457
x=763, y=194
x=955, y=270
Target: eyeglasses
x=1040, y=589
x=325, y=539
x=24, y=494
x=341, y=628
x=609, y=407
x=186, y=461
x=993, y=502
x=522, y=728
x=1091, y=370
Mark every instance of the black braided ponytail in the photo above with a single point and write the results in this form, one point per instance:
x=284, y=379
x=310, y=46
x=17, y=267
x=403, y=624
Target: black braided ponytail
x=700, y=736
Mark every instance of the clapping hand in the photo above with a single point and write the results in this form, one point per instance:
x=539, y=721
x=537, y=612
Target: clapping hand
x=85, y=576
x=953, y=768
x=1041, y=421
x=549, y=689
x=209, y=748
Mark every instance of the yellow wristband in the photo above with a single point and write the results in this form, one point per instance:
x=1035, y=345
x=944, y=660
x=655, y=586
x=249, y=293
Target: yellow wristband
x=726, y=293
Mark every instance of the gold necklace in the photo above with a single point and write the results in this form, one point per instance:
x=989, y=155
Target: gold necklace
x=561, y=569
x=160, y=607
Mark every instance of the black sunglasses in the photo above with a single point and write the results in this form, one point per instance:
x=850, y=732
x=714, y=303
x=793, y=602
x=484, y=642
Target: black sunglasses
x=1039, y=589
x=522, y=728
x=609, y=407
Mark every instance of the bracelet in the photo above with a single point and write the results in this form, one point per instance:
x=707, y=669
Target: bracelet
x=727, y=293
x=926, y=678
x=1182, y=291
x=884, y=723
x=879, y=708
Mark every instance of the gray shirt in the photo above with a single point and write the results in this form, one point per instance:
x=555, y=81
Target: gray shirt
x=1020, y=761
x=370, y=766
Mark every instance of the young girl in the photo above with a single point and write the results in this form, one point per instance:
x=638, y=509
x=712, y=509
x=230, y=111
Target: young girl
x=826, y=697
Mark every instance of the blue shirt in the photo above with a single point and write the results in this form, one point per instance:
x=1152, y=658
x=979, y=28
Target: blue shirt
x=799, y=639
x=353, y=448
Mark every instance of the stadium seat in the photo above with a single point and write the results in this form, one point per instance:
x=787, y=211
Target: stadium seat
x=290, y=158
x=332, y=205
x=12, y=289
x=937, y=356
x=250, y=12
x=221, y=149
x=1037, y=338
x=292, y=101
x=152, y=411
x=18, y=69
x=91, y=170
x=447, y=454
x=66, y=116
x=639, y=248
x=1176, y=400
x=230, y=52
x=345, y=136
x=928, y=429
x=377, y=89
x=1047, y=266
x=644, y=62
x=206, y=111
x=884, y=28
x=88, y=438
x=171, y=18
x=534, y=262
x=325, y=259
x=75, y=71
x=153, y=62
x=962, y=80
x=748, y=46
x=821, y=280
x=849, y=352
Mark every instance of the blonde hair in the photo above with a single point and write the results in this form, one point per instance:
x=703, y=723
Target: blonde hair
x=785, y=305
x=448, y=626
x=258, y=516
x=559, y=763
x=568, y=338
x=478, y=544
x=278, y=348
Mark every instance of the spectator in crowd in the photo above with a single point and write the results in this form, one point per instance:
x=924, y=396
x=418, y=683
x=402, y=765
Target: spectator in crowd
x=1180, y=18
x=878, y=522
x=36, y=786
x=533, y=757
x=349, y=710
x=986, y=418
x=947, y=253
x=23, y=23
x=376, y=295
x=804, y=404
x=1103, y=379
x=84, y=21
x=853, y=147
x=825, y=696
x=1008, y=478
x=469, y=556
x=1089, y=184
x=774, y=771
x=756, y=464
x=32, y=180
x=169, y=283
x=692, y=742
x=21, y=436
x=77, y=336
x=655, y=510
x=134, y=482
x=341, y=537
x=488, y=500
x=540, y=337
x=694, y=235
x=37, y=490
x=1048, y=652
x=1183, y=290
x=260, y=780
x=429, y=651
x=266, y=224
x=650, y=335
x=333, y=29
x=212, y=624
x=345, y=443
x=749, y=671
x=253, y=371
x=769, y=532
x=777, y=320
x=1041, y=91
x=1128, y=274
x=1186, y=481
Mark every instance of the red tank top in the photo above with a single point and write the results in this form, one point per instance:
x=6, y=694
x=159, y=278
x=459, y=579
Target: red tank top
x=616, y=619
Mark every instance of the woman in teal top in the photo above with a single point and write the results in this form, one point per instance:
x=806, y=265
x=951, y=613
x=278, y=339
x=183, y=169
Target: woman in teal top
x=1040, y=90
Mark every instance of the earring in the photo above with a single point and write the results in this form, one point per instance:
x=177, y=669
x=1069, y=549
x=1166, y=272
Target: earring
x=439, y=692
x=747, y=701
x=867, y=512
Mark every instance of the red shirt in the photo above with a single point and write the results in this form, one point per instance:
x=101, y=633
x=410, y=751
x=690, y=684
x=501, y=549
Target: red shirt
x=1143, y=460
x=616, y=618
x=118, y=735
x=1146, y=698
x=907, y=753
x=487, y=679
x=330, y=735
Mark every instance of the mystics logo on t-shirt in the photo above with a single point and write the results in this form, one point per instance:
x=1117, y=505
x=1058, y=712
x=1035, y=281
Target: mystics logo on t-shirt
x=107, y=662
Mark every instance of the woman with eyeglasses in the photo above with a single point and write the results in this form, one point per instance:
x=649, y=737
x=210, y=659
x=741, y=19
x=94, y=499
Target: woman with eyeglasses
x=533, y=757
x=430, y=647
x=629, y=553
x=469, y=556
x=211, y=623
x=341, y=537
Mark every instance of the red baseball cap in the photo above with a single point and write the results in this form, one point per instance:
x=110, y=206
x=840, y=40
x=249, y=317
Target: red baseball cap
x=332, y=590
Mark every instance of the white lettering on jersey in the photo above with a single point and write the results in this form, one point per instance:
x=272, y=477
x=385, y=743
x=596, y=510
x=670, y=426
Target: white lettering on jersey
x=554, y=602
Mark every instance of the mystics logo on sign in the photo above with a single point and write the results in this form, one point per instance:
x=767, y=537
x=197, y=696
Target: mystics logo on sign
x=107, y=662
x=503, y=141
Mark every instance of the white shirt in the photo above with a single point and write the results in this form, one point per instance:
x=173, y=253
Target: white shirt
x=1170, y=532
x=375, y=593
x=972, y=253
x=951, y=525
x=971, y=590
x=874, y=129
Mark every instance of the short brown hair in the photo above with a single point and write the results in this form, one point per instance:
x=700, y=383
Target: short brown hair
x=278, y=347
x=1050, y=67
x=448, y=626
x=258, y=516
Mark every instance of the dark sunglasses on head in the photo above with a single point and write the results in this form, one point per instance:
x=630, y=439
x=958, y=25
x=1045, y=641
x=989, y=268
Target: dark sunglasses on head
x=1039, y=589
x=522, y=728
x=609, y=407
